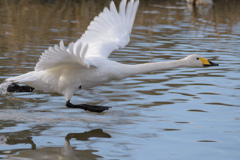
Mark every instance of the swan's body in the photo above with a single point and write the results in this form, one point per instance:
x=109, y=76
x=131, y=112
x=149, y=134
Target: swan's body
x=85, y=64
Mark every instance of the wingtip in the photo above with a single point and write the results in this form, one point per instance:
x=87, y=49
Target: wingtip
x=119, y=22
x=61, y=44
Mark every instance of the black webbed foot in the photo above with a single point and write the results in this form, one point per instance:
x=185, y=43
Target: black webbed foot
x=13, y=87
x=87, y=107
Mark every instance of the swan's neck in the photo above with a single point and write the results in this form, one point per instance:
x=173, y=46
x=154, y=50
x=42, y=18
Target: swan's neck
x=130, y=70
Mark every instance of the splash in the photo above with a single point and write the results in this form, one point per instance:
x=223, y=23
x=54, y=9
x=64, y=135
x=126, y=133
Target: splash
x=4, y=86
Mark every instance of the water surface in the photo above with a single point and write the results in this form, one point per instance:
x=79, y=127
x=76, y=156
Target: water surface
x=185, y=113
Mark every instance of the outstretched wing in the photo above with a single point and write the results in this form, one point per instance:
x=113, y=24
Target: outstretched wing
x=59, y=56
x=109, y=31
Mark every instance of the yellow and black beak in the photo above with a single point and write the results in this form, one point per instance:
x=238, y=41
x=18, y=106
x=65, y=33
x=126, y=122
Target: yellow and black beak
x=207, y=63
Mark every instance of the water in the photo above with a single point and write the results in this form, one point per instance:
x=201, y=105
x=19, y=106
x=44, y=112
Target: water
x=185, y=113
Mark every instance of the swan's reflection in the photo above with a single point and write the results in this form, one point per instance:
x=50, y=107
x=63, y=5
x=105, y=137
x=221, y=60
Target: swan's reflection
x=66, y=152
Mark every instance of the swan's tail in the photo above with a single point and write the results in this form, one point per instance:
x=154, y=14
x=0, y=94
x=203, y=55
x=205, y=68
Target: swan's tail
x=4, y=86
x=27, y=79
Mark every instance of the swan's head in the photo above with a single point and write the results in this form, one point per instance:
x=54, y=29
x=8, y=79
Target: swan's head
x=196, y=60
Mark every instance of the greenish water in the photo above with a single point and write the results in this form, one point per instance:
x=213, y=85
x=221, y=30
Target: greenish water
x=185, y=113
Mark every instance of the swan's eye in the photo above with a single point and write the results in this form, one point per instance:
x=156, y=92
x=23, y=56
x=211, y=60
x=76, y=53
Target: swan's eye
x=197, y=58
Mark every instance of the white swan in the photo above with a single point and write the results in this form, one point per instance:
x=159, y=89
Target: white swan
x=84, y=64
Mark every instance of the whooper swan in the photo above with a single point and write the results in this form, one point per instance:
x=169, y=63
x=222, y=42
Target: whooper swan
x=85, y=64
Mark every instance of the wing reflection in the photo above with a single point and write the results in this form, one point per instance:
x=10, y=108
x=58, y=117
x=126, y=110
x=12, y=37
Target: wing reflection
x=86, y=135
x=27, y=140
x=66, y=152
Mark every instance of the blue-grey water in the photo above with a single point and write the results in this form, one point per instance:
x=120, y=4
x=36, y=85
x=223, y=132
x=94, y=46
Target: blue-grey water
x=184, y=113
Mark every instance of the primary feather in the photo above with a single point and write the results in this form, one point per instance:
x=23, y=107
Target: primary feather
x=109, y=31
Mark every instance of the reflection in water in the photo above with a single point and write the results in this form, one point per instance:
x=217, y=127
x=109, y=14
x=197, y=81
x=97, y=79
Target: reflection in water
x=200, y=2
x=199, y=8
x=66, y=152
x=25, y=140
x=86, y=135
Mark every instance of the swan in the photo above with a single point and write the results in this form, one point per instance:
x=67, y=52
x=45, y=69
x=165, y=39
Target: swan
x=84, y=64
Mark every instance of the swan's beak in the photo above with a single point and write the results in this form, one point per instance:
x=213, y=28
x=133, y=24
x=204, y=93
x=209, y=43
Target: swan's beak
x=207, y=63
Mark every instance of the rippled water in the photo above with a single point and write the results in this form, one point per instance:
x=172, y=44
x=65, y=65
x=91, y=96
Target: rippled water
x=185, y=113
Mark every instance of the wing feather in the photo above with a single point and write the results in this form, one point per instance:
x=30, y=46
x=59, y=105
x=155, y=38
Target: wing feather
x=108, y=31
x=59, y=56
x=122, y=9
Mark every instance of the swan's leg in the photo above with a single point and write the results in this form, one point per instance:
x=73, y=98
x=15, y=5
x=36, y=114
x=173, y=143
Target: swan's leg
x=87, y=107
x=13, y=87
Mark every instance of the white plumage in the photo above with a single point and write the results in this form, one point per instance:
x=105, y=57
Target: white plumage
x=84, y=64
x=63, y=70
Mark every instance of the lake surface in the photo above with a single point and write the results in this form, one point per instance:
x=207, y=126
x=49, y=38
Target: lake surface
x=185, y=113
